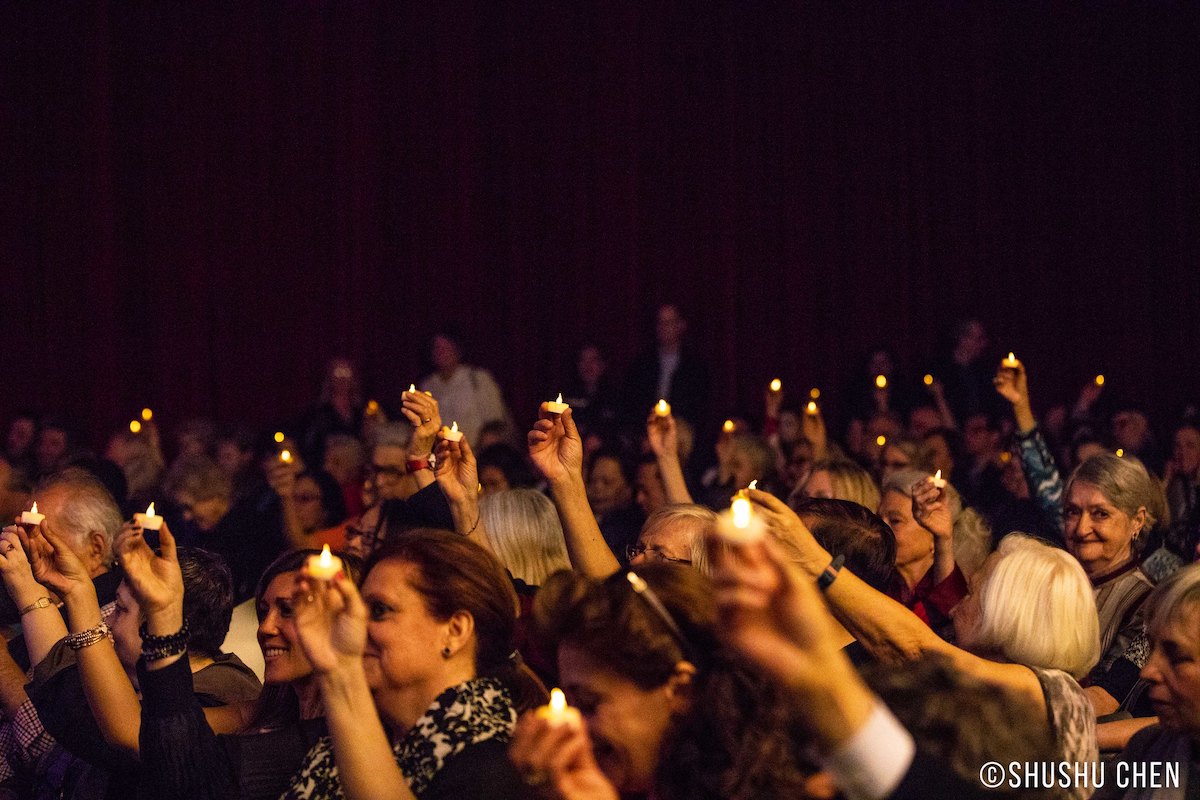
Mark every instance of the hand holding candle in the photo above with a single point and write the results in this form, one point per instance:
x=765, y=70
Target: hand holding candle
x=452, y=434
x=285, y=456
x=324, y=567
x=776, y=385
x=150, y=521
x=811, y=408
x=662, y=408
x=740, y=525
x=1010, y=362
x=938, y=481
x=729, y=426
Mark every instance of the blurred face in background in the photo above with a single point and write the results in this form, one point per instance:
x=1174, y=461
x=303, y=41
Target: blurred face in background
x=607, y=489
x=1186, y=450
x=444, y=354
x=590, y=366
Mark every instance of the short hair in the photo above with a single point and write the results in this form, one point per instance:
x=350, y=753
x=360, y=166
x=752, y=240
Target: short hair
x=853, y=531
x=524, y=531
x=972, y=536
x=207, y=599
x=347, y=444
x=850, y=481
x=143, y=467
x=917, y=453
x=1126, y=484
x=1037, y=608
x=333, y=502
x=700, y=517
x=201, y=479
x=757, y=450
x=88, y=508
x=624, y=464
x=1173, y=600
x=393, y=434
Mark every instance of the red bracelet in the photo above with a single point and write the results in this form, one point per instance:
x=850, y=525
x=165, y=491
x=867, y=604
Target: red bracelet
x=417, y=464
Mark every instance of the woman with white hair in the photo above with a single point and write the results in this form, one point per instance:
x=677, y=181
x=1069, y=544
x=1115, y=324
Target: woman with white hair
x=524, y=531
x=1173, y=623
x=1027, y=626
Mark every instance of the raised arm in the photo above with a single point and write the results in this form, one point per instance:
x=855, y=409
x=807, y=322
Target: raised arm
x=1041, y=473
x=931, y=510
x=421, y=411
x=664, y=442
x=556, y=449
x=458, y=477
x=41, y=623
x=109, y=691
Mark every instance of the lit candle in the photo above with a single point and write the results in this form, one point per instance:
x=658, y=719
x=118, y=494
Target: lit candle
x=1010, y=362
x=881, y=381
x=32, y=517
x=811, y=408
x=558, y=406
x=662, y=408
x=558, y=712
x=150, y=521
x=372, y=408
x=412, y=388
x=1120, y=452
x=729, y=426
x=286, y=456
x=881, y=440
x=928, y=379
x=324, y=567
x=278, y=437
x=814, y=393
x=147, y=415
x=452, y=434
x=1099, y=380
x=740, y=525
x=776, y=385
x=938, y=481
x=135, y=426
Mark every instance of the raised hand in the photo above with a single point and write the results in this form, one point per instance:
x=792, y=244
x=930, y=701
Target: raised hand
x=331, y=622
x=783, y=523
x=15, y=569
x=559, y=759
x=1012, y=384
x=281, y=475
x=55, y=564
x=931, y=508
x=421, y=410
x=555, y=446
x=663, y=435
x=155, y=579
x=457, y=472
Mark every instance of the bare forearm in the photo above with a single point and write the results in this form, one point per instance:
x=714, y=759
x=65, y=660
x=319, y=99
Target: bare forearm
x=673, y=480
x=365, y=762
x=585, y=544
x=43, y=627
x=1113, y=736
x=110, y=694
x=1023, y=414
x=943, y=558
x=469, y=523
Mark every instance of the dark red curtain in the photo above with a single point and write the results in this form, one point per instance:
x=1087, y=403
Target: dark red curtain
x=203, y=202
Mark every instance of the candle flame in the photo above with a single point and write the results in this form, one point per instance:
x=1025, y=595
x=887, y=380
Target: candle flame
x=559, y=399
x=1120, y=452
x=372, y=407
x=1099, y=380
x=728, y=426
x=812, y=407
x=741, y=511
x=279, y=437
x=662, y=408
x=135, y=426
x=881, y=381
x=881, y=440
x=286, y=456
x=412, y=387
x=147, y=415
x=928, y=379
x=776, y=385
x=753, y=484
x=34, y=509
x=558, y=700
x=814, y=393
x=937, y=476
x=150, y=510
x=454, y=428
x=326, y=558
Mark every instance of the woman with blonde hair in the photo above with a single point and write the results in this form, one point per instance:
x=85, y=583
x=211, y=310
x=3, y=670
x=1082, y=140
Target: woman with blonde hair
x=839, y=479
x=524, y=531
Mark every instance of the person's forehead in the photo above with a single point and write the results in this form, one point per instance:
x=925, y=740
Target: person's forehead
x=1182, y=630
x=677, y=531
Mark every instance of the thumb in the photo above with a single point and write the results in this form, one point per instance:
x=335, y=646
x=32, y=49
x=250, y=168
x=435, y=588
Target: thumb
x=568, y=421
x=166, y=543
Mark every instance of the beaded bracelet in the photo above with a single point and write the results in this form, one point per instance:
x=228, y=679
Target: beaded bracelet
x=82, y=639
x=156, y=648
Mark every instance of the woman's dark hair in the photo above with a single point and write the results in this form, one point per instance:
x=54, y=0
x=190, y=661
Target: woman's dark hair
x=740, y=738
x=455, y=574
x=508, y=460
x=278, y=704
x=333, y=502
x=848, y=529
x=207, y=599
x=626, y=465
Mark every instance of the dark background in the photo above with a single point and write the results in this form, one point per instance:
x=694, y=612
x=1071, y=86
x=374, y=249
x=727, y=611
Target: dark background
x=201, y=203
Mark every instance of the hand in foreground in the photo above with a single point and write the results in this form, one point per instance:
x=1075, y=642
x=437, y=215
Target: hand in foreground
x=15, y=569
x=457, y=471
x=55, y=564
x=331, y=621
x=555, y=446
x=155, y=579
x=421, y=410
x=558, y=760
x=785, y=525
x=931, y=508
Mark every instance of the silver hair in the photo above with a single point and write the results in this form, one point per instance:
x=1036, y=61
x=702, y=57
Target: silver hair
x=88, y=508
x=1126, y=484
x=697, y=517
x=972, y=536
x=523, y=528
x=1175, y=599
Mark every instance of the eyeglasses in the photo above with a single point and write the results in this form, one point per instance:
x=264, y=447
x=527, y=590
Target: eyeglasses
x=634, y=550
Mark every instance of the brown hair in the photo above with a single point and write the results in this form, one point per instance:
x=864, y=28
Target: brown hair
x=455, y=574
x=736, y=742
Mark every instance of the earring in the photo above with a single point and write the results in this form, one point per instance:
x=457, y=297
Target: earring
x=445, y=652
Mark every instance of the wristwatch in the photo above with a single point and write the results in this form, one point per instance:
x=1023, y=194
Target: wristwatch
x=41, y=602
